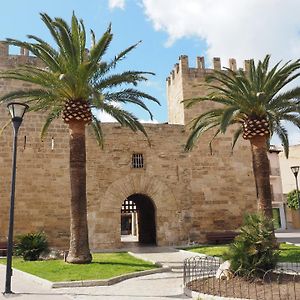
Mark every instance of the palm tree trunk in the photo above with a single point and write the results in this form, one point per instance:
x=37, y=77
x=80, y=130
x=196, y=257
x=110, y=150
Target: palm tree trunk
x=261, y=169
x=79, y=251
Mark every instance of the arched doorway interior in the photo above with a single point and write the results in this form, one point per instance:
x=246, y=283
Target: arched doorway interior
x=138, y=219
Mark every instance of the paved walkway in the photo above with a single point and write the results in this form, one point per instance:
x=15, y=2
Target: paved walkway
x=161, y=286
x=290, y=235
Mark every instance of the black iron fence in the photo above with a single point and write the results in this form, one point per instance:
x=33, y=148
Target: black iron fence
x=282, y=283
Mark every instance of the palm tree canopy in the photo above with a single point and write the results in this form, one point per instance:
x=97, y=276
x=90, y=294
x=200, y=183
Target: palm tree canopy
x=71, y=72
x=244, y=95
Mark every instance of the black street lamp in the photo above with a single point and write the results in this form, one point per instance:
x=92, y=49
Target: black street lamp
x=17, y=111
x=295, y=170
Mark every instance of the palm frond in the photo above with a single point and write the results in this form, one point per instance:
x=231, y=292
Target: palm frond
x=283, y=135
x=119, y=57
x=55, y=113
x=130, y=96
x=96, y=126
x=71, y=72
x=4, y=126
x=245, y=95
x=236, y=136
x=128, y=77
x=227, y=116
x=101, y=46
x=125, y=118
x=211, y=141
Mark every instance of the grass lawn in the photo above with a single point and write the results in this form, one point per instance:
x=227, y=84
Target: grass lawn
x=288, y=253
x=104, y=266
x=213, y=250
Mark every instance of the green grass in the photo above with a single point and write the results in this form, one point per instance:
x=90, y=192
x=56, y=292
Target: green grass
x=288, y=253
x=104, y=266
x=217, y=250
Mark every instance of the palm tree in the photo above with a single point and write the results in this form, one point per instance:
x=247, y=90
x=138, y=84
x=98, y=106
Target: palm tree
x=253, y=101
x=72, y=82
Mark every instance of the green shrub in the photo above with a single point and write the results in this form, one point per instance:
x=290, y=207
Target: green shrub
x=31, y=245
x=292, y=201
x=254, y=249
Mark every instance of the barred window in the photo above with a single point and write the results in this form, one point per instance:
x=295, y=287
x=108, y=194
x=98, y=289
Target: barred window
x=137, y=161
x=128, y=206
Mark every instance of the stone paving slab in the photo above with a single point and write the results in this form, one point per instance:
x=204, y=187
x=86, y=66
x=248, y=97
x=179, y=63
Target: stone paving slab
x=159, y=287
x=27, y=288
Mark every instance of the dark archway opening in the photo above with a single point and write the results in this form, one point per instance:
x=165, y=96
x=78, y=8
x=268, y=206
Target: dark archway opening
x=138, y=219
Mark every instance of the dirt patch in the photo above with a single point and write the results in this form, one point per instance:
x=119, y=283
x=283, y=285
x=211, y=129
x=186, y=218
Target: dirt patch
x=274, y=286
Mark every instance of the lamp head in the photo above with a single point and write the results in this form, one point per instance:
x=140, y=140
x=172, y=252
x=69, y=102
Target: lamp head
x=17, y=110
x=295, y=170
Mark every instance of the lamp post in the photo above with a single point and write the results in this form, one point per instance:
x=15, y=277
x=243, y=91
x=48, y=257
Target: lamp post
x=17, y=111
x=295, y=170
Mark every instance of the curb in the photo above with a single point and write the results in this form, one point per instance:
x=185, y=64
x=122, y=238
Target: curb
x=107, y=282
x=89, y=283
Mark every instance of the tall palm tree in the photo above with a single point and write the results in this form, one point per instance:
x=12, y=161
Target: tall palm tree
x=72, y=82
x=253, y=101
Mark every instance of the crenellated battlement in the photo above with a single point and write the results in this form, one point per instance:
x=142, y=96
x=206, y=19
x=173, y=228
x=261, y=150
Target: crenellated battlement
x=183, y=69
x=185, y=82
x=12, y=60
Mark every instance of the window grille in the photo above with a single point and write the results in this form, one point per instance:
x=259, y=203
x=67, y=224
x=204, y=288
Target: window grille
x=137, y=160
x=128, y=206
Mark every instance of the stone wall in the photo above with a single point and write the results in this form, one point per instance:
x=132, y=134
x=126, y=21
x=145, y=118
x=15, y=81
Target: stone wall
x=222, y=185
x=192, y=192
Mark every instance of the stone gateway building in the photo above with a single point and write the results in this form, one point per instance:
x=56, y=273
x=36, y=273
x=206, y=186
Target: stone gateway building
x=161, y=193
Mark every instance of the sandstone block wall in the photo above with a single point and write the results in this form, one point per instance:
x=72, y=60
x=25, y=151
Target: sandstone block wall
x=193, y=193
x=222, y=183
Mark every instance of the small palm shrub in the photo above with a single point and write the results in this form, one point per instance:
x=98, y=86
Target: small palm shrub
x=292, y=200
x=254, y=249
x=31, y=245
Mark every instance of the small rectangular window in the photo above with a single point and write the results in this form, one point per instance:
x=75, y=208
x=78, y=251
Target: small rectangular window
x=137, y=161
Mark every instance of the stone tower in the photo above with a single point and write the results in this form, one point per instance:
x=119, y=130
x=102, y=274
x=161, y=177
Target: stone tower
x=185, y=82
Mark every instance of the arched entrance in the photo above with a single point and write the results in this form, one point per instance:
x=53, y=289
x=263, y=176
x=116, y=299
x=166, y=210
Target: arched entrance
x=138, y=219
x=104, y=222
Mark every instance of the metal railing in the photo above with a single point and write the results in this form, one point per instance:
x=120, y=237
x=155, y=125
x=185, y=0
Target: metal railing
x=282, y=283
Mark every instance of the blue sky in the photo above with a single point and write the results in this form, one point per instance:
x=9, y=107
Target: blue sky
x=222, y=28
x=129, y=26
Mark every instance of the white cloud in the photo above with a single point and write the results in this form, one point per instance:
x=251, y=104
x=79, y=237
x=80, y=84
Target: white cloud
x=241, y=29
x=116, y=4
x=232, y=28
x=153, y=84
x=107, y=118
x=104, y=117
